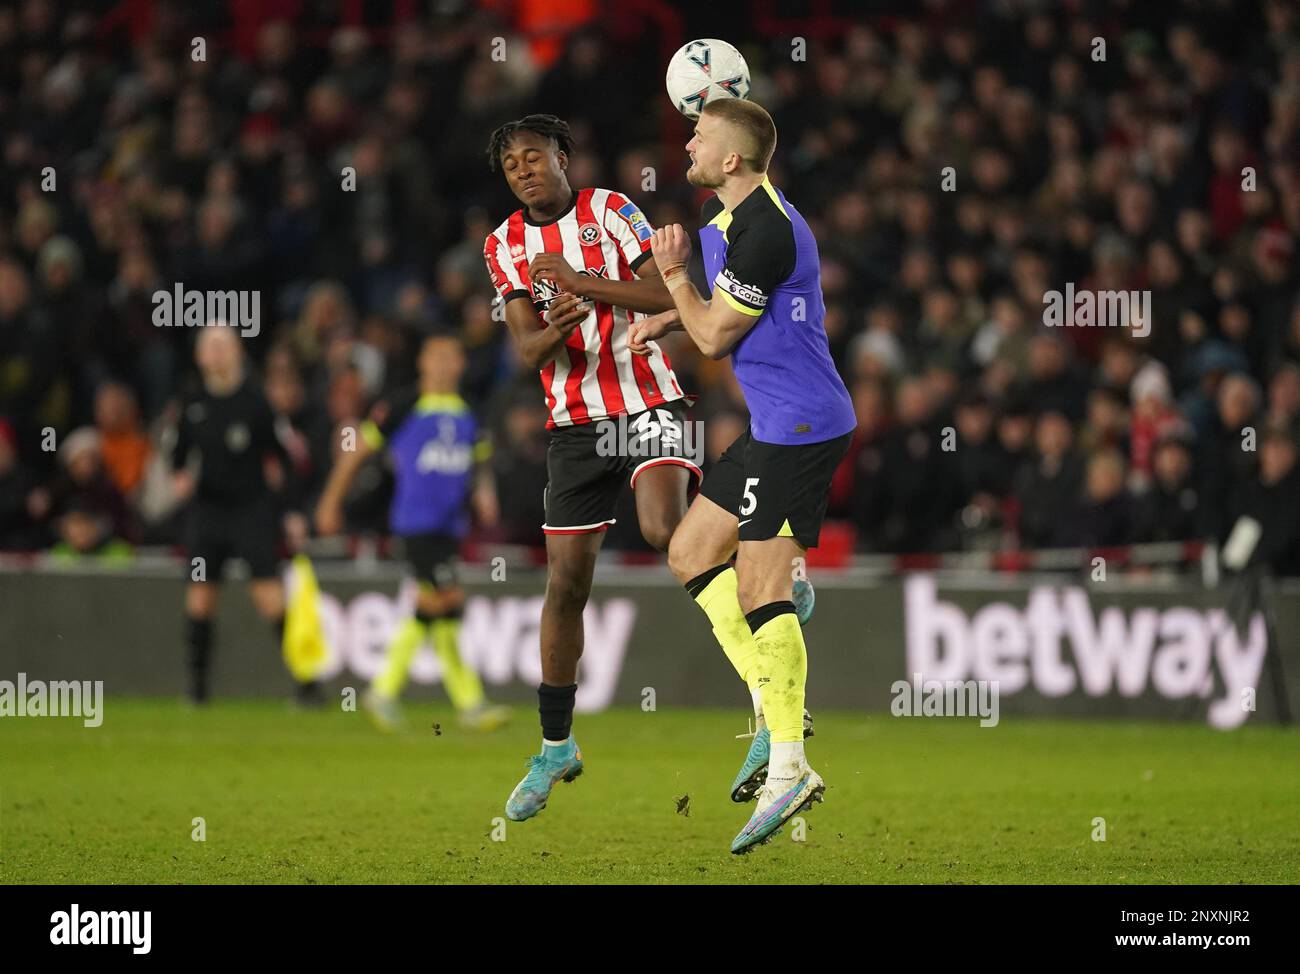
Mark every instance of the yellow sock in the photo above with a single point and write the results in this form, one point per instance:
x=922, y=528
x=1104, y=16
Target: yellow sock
x=784, y=660
x=720, y=603
x=397, y=658
x=463, y=685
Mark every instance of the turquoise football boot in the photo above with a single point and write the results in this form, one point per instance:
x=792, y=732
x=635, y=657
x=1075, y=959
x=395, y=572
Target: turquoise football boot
x=753, y=773
x=557, y=762
x=804, y=598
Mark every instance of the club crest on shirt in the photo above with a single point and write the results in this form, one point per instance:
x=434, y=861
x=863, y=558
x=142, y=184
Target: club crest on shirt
x=589, y=233
x=237, y=437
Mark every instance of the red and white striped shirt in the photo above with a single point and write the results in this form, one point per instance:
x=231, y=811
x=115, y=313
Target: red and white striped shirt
x=593, y=375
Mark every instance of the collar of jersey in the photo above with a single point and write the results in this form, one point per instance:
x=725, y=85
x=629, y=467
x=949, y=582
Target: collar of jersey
x=723, y=220
x=546, y=223
x=440, y=402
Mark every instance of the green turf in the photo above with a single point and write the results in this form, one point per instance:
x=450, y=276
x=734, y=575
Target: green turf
x=323, y=798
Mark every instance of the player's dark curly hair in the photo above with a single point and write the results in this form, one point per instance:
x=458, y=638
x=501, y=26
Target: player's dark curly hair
x=547, y=126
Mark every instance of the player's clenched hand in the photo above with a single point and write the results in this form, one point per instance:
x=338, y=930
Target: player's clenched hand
x=557, y=270
x=647, y=329
x=566, y=312
x=671, y=246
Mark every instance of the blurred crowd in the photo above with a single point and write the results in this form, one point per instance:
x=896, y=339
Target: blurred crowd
x=957, y=162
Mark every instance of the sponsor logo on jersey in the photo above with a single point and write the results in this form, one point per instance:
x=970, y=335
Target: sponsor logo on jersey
x=544, y=291
x=636, y=220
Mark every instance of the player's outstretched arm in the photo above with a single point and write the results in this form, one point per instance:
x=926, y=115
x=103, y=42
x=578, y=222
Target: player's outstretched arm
x=538, y=339
x=329, y=509
x=714, y=326
x=646, y=294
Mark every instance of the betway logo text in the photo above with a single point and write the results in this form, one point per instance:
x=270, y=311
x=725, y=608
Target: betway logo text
x=499, y=639
x=1059, y=644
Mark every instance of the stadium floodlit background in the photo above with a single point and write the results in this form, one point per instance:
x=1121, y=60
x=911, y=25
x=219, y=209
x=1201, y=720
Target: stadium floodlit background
x=957, y=161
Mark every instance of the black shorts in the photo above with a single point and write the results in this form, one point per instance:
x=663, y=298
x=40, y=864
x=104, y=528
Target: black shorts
x=432, y=558
x=586, y=465
x=216, y=534
x=776, y=490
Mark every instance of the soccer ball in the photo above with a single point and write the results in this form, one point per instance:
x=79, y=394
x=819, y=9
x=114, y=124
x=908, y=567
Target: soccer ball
x=704, y=70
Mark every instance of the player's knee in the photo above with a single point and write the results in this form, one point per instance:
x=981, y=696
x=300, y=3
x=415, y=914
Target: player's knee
x=268, y=597
x=747, y=598
x=567, y=590
x=751, y=593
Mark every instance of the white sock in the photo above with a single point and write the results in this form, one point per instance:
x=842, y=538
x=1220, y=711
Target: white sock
x=546, y=743
x=757, y=695
x=785, y=760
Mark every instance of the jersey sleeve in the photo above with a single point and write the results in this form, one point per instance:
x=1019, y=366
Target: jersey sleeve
x=385, y=416
x=507, y=280
x=759, y=258
x=625, y=222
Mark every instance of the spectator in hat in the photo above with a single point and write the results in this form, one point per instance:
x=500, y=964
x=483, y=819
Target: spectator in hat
x=83, y=487
x=1154, y=416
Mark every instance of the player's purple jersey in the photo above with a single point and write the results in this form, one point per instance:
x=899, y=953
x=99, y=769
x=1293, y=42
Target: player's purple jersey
x=761, y=259
x=434, y=445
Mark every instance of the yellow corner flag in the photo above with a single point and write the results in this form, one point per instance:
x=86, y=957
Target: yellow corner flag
x=304, y=642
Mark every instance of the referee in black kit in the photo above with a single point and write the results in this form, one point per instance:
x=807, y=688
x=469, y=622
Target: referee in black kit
x=225, y=436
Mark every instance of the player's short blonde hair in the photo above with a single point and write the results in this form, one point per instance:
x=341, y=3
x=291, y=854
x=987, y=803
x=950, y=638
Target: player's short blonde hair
x=754, y=124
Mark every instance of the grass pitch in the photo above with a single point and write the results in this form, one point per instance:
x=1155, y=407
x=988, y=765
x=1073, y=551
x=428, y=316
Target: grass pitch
x=289, y=797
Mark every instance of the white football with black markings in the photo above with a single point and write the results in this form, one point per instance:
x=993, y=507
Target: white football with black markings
x=703, y=71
